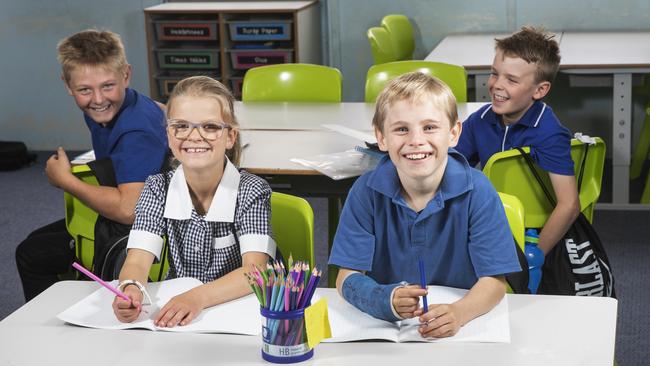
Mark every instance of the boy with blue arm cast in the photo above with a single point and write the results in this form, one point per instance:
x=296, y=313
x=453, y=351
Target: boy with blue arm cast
x=524, y=66
x=422, y=201
x=216, y=218
x=125, y=126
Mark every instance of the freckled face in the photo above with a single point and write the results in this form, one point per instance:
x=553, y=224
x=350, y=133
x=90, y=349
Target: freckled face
x=195, y=152
x=98, y=91
x=512, y=87
x=417, y=136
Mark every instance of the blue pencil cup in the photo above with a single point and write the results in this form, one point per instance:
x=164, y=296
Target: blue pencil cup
x=284, y=337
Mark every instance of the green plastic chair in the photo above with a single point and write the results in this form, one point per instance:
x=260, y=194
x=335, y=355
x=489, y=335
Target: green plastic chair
x=510, y=174
x=292, y=83
x=292, y=219
x=452, y=75
x=401, y=34
x=515, y=213
x=80, y=223
x=381, y=45
x=642, y=148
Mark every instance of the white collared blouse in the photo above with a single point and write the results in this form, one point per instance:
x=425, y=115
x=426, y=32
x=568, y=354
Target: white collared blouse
x=204, y=247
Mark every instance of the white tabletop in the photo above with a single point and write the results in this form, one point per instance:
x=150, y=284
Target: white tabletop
x=270, y=151
x=545, y=330
x=472, y=51
x=605, y=50
x=311, y=116
x=579, y=50
x=231, y=6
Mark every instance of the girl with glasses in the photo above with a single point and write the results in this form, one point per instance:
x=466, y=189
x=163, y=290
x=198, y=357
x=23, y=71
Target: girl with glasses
x=216, y=219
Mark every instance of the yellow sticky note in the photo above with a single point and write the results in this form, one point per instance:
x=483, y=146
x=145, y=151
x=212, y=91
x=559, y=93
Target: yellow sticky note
x=317, y=323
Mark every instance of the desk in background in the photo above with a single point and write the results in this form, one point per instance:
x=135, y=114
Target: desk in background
x=545, y=330
x=619, y=54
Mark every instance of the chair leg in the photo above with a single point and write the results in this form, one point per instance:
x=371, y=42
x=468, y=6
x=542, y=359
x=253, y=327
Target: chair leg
x=642, y=148
x=645, y=197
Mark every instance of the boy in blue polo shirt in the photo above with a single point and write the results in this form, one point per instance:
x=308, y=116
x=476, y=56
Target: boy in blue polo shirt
x=524, y=66
x=125, y=126
x=422, y=201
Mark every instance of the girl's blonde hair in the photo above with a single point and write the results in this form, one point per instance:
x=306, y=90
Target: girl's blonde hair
x=204, y=86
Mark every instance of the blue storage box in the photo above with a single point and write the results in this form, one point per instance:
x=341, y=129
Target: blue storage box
x=271, y=30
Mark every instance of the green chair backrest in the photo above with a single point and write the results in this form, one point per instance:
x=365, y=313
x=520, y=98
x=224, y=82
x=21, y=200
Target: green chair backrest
x=452, y=75
x=509, y=173
x=292, y=220
x=292, y=83
x=80, y=222
x=515, y=213
x=381, y=45
x=401, y=34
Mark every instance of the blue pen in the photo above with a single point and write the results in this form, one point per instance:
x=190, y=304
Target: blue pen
x=423, y=284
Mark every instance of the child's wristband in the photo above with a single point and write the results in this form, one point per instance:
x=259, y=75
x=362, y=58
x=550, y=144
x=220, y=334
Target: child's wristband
x=369, y=296
x=143, y=290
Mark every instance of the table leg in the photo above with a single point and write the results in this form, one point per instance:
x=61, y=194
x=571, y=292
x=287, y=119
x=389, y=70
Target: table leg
x=334, y=205
x=621, y=138
x=481, y=88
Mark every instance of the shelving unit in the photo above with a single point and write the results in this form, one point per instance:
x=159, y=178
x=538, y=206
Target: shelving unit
x=224, y=39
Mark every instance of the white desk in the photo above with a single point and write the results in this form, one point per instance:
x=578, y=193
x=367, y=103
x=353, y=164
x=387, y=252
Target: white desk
x=545, y=330
x=311, y=116
x=620, y=54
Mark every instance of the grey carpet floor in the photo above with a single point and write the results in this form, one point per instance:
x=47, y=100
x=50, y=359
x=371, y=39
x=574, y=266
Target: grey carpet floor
x=27, y=202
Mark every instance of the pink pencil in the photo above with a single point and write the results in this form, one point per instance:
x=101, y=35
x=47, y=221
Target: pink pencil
x=100, y=281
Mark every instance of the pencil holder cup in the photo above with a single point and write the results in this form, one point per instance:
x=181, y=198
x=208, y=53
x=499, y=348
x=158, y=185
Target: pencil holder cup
x=284, y=339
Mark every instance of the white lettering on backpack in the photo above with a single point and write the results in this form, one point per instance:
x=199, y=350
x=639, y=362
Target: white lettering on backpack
x=592, y=288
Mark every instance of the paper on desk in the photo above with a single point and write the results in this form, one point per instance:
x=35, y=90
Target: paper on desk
x=84, y=158
x=359, y=135
x=241, y=316
x=350, y=324
x=340, y=165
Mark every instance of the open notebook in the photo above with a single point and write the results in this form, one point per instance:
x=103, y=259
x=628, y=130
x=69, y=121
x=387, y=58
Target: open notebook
x=241, y=316
x=350, y=324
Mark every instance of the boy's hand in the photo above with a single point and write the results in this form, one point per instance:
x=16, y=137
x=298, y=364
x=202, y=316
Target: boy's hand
x=406, y=300
x=128, y=311
x=181, y=309
x=58, y=168
x=442, y=320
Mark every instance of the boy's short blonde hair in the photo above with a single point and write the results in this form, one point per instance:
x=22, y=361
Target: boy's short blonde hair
x=204, y=86
x=91, y=47
x=414, y=87
x=533, y=45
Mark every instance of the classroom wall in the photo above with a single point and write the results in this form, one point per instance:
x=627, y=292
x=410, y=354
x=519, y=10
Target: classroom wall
x=581, y=109
x=36, y=108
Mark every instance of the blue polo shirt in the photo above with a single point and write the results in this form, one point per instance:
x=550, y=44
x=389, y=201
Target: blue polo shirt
x=135, y=140
x=462, y=234
x=550, y=143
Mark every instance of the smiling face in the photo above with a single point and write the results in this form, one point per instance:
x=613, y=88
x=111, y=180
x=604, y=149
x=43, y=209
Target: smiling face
x=99, y=91
x=195, y=152
x=513, y=87
x=416, y=135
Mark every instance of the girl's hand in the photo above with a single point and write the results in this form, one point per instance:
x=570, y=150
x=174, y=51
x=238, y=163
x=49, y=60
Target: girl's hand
x=406, y=300
x=181, y=309
x=128, y=311
x=442, y=320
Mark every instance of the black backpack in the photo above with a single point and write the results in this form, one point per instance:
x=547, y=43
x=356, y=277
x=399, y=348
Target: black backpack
x=14, y=155
x=111, y=237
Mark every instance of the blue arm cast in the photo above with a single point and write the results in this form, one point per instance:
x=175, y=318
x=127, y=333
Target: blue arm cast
x=369, y=296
